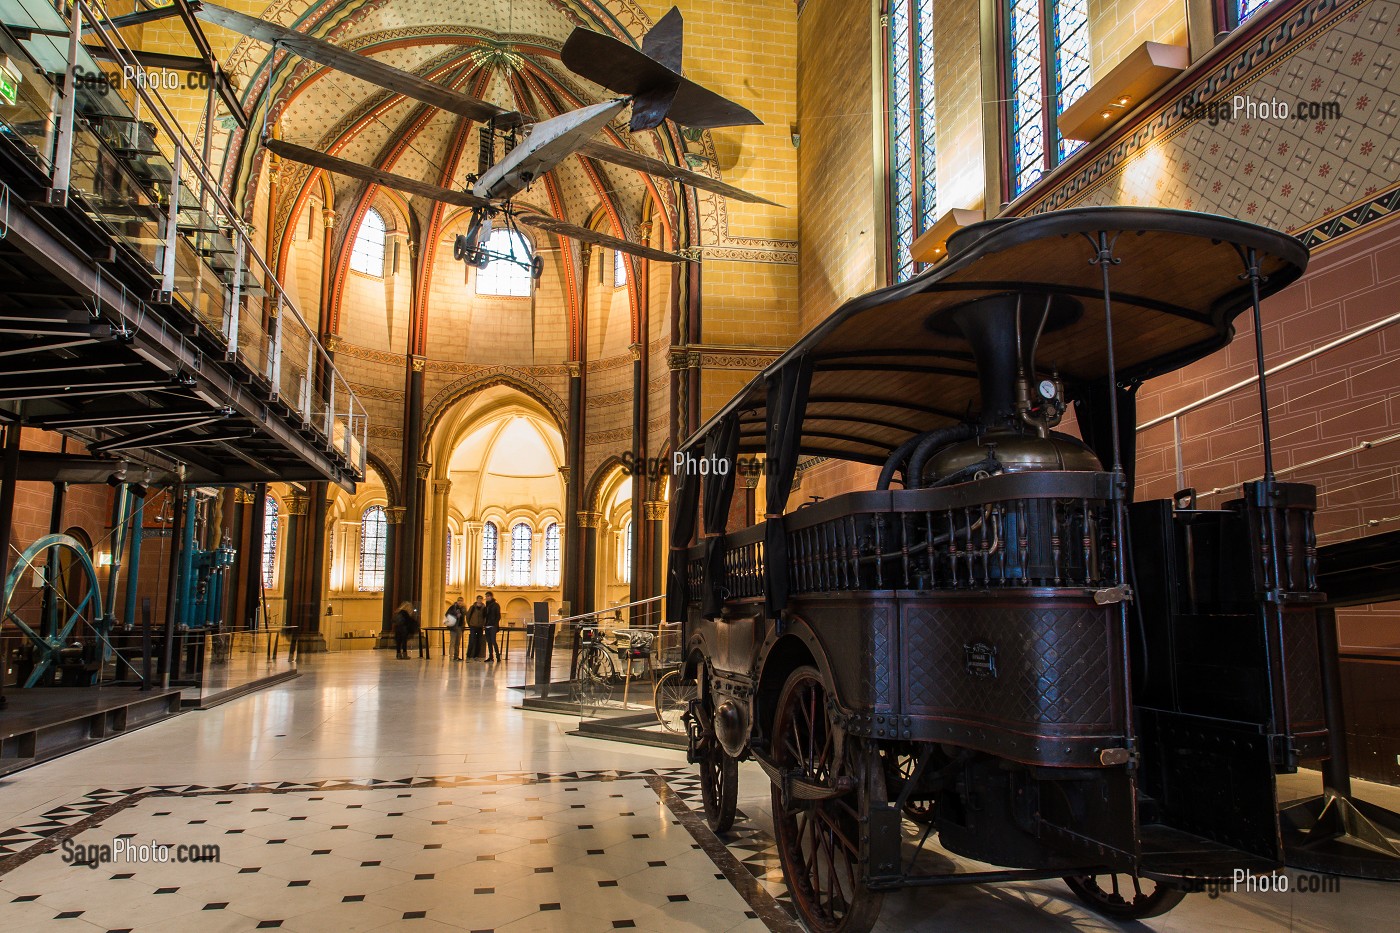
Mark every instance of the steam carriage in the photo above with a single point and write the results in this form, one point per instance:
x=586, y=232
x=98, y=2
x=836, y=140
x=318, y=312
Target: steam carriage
x=996, y=643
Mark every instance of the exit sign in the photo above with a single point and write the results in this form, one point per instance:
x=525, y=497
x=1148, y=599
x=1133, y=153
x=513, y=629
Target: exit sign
x=9, y=88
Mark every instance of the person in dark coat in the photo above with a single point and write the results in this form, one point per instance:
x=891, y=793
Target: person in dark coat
x=405, y=625
x=476, y=624
x=457, y=613
x=492, y=625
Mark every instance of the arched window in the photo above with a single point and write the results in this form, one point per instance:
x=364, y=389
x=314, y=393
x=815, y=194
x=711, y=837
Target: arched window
x=374, y=533
x=619, y=268
x=503, y=276
x=625, y=569
x=367, y=256
x=447, y=558
x=521, y=537
x=551, y=554
x=1042, y=81
x=490, y=540
x=269, y=542
x=913, y=150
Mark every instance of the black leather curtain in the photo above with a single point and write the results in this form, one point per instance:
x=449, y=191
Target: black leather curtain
x=787, y=405
x=1092, y=412
x=721, y=446
x=685, y=501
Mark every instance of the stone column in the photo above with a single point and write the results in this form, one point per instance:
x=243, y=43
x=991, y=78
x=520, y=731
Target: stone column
x=393, y=526
x=588, y=560
x=471, y=559
x=294, y=507
x=655, y=567
x=435, y=555
x=408, y=580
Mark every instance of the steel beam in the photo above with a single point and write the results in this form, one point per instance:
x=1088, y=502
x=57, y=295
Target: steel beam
x=142, y=439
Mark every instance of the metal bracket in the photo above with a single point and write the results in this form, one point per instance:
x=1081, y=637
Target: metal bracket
x=1122, y=593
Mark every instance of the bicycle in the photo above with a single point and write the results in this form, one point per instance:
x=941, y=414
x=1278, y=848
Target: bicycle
x=606, y=661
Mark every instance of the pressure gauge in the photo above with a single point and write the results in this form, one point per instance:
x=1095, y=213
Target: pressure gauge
x=1047, y=389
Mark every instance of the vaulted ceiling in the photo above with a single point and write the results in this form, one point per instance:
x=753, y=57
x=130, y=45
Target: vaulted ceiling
x=503, y=51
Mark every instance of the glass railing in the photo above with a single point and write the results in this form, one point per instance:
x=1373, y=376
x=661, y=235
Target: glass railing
x=136, y=174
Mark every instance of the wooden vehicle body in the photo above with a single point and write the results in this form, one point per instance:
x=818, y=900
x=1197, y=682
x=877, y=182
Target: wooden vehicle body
x=1008, y=650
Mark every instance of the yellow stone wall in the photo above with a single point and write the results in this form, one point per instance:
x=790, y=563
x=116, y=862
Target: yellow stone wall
x=1119, y=26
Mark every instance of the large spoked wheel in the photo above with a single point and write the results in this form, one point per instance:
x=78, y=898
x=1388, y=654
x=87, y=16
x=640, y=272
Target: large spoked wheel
x=899, y=768
x=70, y=596
x=819, y=839
x=1124, y=897
x=671, y=699
x=593, y=681
x=719, y=785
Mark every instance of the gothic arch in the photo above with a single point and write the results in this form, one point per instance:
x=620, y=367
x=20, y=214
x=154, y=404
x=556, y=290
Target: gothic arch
x=523, y=383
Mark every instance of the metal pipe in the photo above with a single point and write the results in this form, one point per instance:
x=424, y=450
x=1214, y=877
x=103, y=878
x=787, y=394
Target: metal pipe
x=172, y=590
x=134, y=574
x=1252, y=272
x=9, y=475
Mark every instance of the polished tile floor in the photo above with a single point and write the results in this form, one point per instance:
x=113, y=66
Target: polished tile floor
x=374, y=794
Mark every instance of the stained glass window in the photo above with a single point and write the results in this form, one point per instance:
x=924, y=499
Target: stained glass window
x=490, y=536
x=521, y=537
x=506, y=277
x=269, y=546
x=367, y=256
x=624, y=569
x=619, y=268
x=447, y=558
x=1043, y=82
x=1247, y=8
x=913, y=150
x=551, y=554
x=374, y=533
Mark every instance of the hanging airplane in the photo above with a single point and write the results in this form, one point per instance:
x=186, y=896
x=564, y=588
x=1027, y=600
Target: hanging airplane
x=650, y=80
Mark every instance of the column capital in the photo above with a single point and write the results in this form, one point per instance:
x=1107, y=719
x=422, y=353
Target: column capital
x=334, y=342
x=654, y=510
x=393, y=514
x=636, y=350
x=575, y=368
x=327, y=217
x=296, y=504
x=244, y=496
x=418, y=364
x=564, y=472
x=442, y=486
x=586, y=256
x=590, y=519
x=424, y=469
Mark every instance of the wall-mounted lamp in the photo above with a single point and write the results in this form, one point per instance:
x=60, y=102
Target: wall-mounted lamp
x=1133, y=80
x=932, y=244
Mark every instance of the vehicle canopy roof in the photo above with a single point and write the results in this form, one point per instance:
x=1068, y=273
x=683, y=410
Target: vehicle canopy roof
x=889, y=364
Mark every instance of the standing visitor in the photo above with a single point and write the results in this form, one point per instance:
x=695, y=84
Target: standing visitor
x=492, y=626
x=404, y=625
x=456, y=615
x=476, y=622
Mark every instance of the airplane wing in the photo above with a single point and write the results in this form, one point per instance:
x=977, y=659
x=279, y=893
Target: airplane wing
x=351, y=63
x=541, y=222
x=363, y=172
x=629, y=159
